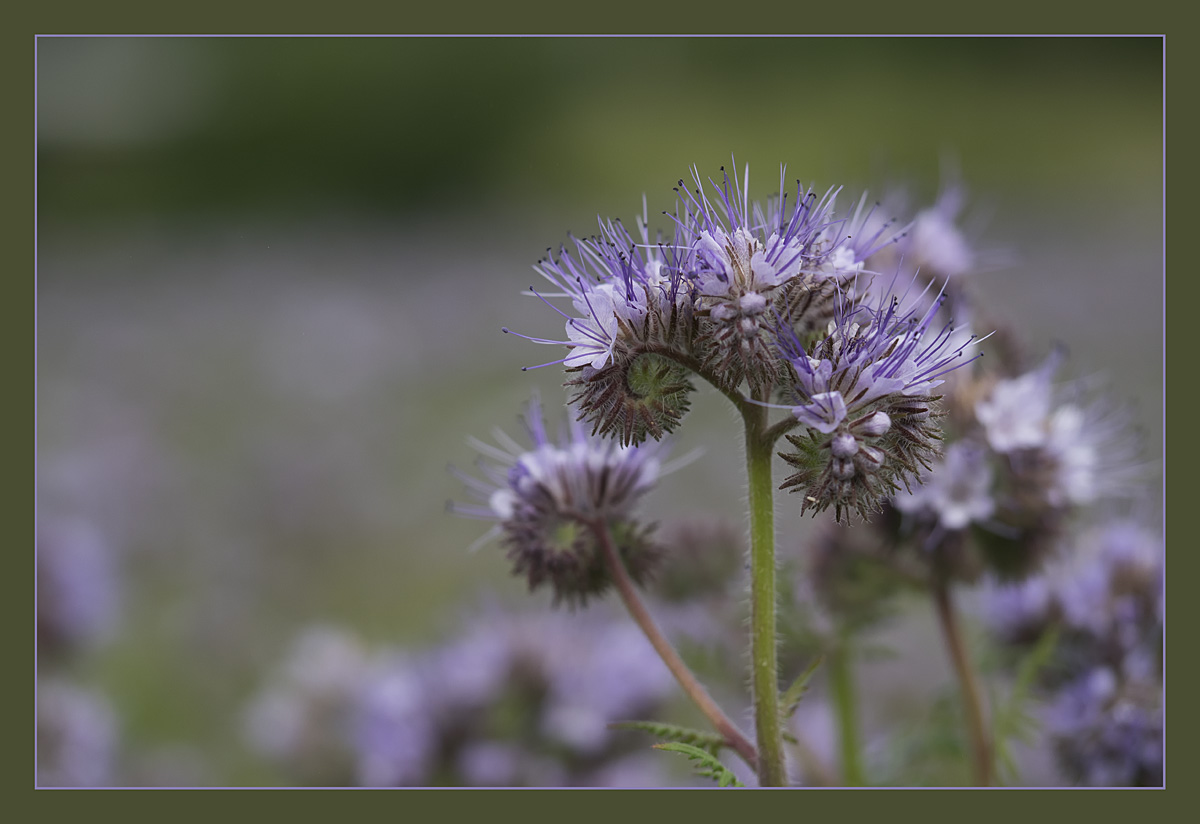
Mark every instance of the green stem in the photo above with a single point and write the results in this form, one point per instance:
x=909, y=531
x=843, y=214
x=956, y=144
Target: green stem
x=687, y=680
x=981, y=749
x=763, y=654
x=841, y=678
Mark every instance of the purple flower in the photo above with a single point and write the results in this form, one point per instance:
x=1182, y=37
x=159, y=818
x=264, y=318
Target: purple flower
x=864, y=392
x=549, y=499
x=1108, y=729
x=1073, y=451
x=751, y=263
x=1105, y=717
x=934, y=244
x=737, y=247
x=1016, y=413
x=623, y=292
x=712, y=290
x=394, y=731
x=957, y=492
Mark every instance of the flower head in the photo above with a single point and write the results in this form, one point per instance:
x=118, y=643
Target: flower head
x=750, y=263
x=1067, y=450
x=550, y=499
x=628, y=298
x=865, y=394
x=710, y=293
x=624, y=293
x=957, y=492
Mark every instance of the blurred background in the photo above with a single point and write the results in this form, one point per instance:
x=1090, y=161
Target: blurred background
x=272, y=275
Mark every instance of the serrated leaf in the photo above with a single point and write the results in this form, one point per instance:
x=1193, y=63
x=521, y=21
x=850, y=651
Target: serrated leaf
x=1012, y=721
x=793, y=695
x=707, y=766
x=709, y=741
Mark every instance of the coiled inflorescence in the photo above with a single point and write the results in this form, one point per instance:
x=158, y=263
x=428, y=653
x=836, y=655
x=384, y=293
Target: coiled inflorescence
x=549, y=502
x=646, y=313
x=864, y=394
x=631, y=301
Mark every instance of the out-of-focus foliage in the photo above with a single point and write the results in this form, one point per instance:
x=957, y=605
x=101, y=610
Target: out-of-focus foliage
x=306, y=125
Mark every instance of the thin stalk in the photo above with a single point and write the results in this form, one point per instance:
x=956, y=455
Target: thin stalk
x=763, y=653
x=841, y=677
x=694, y=689
x=782, y=428
x=981, y=756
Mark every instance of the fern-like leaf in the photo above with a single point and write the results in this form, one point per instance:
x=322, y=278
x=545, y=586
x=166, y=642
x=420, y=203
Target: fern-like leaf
x=1013, y=721
x=707, y=763
x=791, y=698
x=710, y=741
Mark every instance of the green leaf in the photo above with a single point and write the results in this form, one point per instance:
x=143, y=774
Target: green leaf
x=708, y=765
x=1012, y=721
x=709, y=741
x=791, y=698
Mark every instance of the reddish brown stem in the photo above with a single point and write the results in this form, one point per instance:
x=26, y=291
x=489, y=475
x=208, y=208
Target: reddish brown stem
x=694, y=689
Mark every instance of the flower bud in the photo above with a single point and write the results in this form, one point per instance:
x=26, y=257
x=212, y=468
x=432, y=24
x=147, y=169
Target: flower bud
x=865, y=397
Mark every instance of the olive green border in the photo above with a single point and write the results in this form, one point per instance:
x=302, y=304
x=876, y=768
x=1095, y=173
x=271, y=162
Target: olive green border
x=79, y=17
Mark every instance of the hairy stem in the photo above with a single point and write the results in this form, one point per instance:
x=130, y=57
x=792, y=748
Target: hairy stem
x=841, y=678
x=981, y=756
x=694, y=689
x=763, y=653
x=782, y=428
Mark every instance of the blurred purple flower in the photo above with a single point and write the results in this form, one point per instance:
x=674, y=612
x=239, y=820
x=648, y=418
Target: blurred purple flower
x=77, y=589
x=76, y=736
x=957, y=492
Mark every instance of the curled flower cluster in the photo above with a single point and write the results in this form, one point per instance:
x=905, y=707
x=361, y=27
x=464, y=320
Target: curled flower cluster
x=864, y=393
x=549, y=502
x=511, y=700
x=1105, y=682
x=630, y=300
x=707, y=300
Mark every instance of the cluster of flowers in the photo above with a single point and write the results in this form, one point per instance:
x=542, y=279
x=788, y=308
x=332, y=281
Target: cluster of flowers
x=859, y=328
x=512, y=700
x=1105, y=682
x=77, y=601
x=777, y=298
x=1022, y=456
